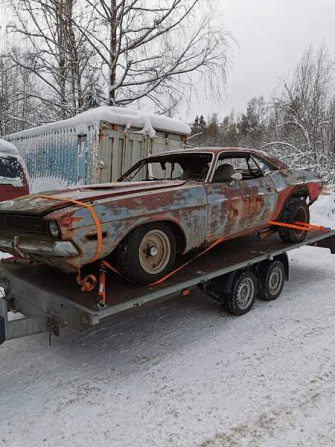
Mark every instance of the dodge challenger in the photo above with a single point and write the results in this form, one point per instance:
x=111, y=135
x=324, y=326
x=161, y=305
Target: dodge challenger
x=164, y=206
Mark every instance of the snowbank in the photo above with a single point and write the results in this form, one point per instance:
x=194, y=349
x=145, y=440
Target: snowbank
x=7, y=148
x=147, y=123
x=323, y=210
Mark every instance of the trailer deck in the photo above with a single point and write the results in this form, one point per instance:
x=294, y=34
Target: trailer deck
x=50, y=299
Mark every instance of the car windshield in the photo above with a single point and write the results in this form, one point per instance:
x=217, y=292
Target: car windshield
x=191, y=167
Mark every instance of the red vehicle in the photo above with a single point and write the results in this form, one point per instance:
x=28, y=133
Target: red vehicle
x=165, y=205
x=13, y=174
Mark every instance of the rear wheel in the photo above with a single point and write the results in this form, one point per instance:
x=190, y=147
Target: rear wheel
x=243, y=294
x=295, y=210
x=271, y=281
x=148, y=253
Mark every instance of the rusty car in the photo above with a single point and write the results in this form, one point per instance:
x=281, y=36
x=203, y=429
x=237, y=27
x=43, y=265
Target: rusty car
x=165, y=206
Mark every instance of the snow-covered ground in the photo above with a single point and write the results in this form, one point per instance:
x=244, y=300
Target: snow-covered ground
x=185, y=373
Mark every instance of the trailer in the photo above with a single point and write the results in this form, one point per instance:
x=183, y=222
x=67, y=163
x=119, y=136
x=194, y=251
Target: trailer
x=95, y=146
x=234, y=273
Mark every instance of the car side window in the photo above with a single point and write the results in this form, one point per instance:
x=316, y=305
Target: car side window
x=266, y=168
x=244, y=165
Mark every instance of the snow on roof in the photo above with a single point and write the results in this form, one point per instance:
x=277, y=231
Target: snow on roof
x=8, y=148
x=146, y=122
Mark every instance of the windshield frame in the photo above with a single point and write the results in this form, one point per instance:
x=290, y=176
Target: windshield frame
x=141, y=163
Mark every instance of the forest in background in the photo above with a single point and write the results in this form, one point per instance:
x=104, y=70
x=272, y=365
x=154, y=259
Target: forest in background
x=297, y=125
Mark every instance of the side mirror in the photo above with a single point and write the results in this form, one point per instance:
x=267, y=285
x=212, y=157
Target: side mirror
x=236, y=176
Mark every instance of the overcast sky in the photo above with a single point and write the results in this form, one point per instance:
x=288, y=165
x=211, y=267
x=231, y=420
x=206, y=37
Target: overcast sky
x=272, y=35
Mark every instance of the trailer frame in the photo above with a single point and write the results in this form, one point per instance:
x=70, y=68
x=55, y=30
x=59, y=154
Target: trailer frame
x=49, y=300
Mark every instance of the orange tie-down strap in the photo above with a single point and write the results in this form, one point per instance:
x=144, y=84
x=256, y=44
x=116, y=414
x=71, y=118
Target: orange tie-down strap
x=104, y=264
x=93, y=214
x=299, y=226
x=89, y=282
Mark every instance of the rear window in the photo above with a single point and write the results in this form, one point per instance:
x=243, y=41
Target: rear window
x=10, y=171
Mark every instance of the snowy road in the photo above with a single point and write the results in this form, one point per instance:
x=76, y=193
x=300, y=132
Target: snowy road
x=184, y=373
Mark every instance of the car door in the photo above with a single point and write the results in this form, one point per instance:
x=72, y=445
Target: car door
x=237, y=206
x=263, y=199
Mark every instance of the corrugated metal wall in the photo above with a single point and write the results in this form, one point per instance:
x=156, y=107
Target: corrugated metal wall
x=100, y=155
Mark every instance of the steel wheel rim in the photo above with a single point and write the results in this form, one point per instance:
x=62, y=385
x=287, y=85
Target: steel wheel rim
x=275, y=280
x=154, y=252
x=245, y=293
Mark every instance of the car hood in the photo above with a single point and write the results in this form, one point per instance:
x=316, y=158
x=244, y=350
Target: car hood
x=46, y=202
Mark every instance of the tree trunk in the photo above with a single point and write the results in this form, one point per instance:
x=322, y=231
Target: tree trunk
x=113, y=54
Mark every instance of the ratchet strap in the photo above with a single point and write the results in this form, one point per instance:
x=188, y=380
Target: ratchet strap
x=104, y=265
x=214, y=244
x=93, y=214
x=89, y=282
x=304, y=226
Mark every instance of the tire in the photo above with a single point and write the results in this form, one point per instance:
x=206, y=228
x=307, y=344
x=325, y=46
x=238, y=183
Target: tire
x=271, y=281
x=243, y=294
x=295, y=210
x=147, y=254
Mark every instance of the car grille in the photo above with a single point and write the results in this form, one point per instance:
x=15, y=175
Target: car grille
x=26, y=224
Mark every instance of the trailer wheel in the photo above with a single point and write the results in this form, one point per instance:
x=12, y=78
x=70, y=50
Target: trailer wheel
x=243, y=294
x=295, y=210
x=271, y=280
x=148, y=253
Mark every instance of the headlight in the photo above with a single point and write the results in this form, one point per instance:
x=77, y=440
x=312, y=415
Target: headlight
x=53, y=229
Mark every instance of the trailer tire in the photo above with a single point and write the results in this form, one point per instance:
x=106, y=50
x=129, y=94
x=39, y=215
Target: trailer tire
x=243, y=294
x=271, y=280
x=295, y=210
x=148, y=253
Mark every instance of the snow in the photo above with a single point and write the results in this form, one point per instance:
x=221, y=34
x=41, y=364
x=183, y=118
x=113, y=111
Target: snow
x=323, y=210
x=16, y=182
x=184, y=373
x=148, y=123
x=7, y=148
x=42, y=184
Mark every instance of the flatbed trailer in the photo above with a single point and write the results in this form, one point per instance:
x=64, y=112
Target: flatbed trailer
x=50, y=300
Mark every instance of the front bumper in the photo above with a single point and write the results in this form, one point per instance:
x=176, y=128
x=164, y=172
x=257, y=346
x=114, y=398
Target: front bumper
x=41, y=248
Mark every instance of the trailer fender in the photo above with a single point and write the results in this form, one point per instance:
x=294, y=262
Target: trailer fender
x=284, y=259
x=223, y=284
x=264, y=265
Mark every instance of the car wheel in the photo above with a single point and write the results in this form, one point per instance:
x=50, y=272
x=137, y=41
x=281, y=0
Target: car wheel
x=295, y=210
x=148, y=253
x=271, y=280
x=243, y=294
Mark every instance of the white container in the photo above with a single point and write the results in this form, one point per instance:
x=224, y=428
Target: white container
x=96, y=146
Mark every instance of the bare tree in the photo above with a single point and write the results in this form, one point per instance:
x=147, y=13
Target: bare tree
x=140, y=50
x=59, y=58
x=17, y=107
x=151, y=48
x=301, y=112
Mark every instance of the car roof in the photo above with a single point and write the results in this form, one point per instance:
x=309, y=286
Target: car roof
x=218, y=150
